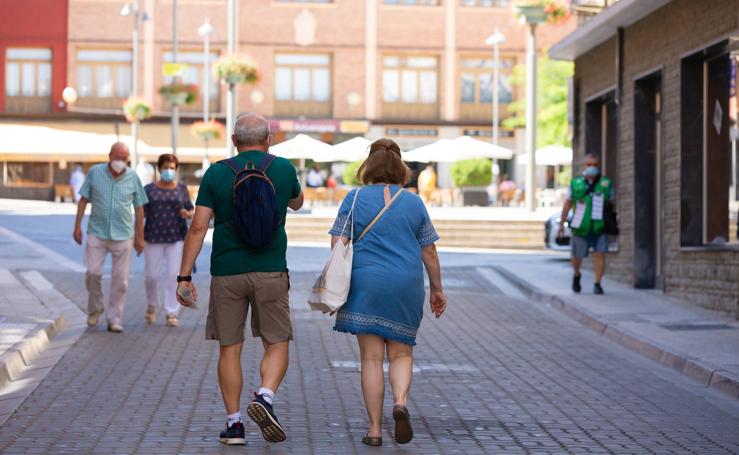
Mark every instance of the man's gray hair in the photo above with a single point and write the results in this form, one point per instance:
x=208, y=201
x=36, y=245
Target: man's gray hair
x=251, y=129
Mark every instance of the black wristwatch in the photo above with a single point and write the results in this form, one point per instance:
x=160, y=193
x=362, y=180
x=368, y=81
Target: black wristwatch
x=184, y=278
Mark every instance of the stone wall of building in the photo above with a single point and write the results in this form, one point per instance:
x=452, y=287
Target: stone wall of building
x=707, y=277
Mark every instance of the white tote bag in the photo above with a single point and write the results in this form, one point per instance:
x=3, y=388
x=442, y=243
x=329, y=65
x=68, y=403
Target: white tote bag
x=331, y=289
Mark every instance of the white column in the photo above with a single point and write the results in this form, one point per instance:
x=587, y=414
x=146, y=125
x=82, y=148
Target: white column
x=370, y=60
x=496, y=85
x=531, y=118
x=135, y=79
x=150, y=68
x=231, y=95
x=450, y=105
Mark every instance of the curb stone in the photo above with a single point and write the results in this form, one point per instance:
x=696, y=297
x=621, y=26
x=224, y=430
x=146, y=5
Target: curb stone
x=707, y=374
x=23, y=353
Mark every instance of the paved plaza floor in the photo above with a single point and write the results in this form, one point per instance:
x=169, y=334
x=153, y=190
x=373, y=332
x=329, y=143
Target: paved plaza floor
x=496, y=374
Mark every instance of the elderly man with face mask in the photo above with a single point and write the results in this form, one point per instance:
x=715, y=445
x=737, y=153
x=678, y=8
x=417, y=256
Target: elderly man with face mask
x=589, y=194
x=113, y=189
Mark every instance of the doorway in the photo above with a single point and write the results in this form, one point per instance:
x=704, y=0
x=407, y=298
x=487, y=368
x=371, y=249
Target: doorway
x=647, y=182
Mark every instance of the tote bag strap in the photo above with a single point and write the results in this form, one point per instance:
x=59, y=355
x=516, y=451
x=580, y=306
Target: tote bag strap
x=350, y=215
x=379, y=215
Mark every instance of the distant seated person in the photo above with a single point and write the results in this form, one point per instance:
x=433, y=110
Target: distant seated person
x=427, y=183
x=506, y=190
x=315, y=179
x=331, y=182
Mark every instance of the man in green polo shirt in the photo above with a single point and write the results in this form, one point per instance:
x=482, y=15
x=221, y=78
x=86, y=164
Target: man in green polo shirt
x=588, y=194
x=244, y=277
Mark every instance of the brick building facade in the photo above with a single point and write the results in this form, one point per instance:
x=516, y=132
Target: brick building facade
x=655, y=96
x=416, y=71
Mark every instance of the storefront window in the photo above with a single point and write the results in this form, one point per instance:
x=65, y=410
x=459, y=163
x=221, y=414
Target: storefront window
x=27, y=174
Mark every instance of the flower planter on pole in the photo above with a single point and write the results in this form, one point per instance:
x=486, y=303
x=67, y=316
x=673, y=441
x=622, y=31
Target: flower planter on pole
x=136, y=110
x=233, y=70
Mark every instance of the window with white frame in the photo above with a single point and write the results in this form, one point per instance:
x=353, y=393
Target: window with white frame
x=28, y=72
x=409, y=80
x=476, y=81
x=103, y=73
x=193, y=72
x=412, y=2
x=303, y=77
x=486, y=3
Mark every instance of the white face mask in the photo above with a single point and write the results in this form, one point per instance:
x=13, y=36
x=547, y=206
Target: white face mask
x=118, y=166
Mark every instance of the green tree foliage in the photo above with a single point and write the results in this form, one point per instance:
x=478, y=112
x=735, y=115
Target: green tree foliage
x=552, y=127
x=472, y=173
x=350, y=173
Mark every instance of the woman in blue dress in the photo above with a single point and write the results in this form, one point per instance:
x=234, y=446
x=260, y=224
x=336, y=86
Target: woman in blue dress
x=386, y=299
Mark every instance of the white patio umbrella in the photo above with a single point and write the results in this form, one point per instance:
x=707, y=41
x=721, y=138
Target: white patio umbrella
x=551, y=155
x=439, y=151
x=303, y=147
x=355, y=149
x=461, y=148
x=469, y=147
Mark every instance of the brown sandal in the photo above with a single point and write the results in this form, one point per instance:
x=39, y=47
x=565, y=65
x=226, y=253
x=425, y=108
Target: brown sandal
x=403, y=429
x=374, y=441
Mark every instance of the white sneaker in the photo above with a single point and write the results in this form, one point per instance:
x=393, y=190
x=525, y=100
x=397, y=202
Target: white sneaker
x=115, y=328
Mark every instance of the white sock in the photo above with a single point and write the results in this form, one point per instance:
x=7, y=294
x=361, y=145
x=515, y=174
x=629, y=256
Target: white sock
x=233, y=418
x=267, y=394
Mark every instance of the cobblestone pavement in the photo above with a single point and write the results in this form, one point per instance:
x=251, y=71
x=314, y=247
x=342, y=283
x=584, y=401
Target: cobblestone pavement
x=494, y=375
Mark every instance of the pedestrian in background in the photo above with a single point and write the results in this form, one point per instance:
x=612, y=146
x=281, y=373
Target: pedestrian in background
x=427, y=183
x=244, y=277
x=315, y=178
x=166, y=214
x=113, y=189
x=76, y=179
x=386, y=297
x=589, y=193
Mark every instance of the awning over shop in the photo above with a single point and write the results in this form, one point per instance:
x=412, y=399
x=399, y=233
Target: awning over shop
x=44, y=144
x=603, y=26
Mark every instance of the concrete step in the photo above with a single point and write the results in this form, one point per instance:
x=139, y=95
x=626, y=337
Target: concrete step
x=453, y=233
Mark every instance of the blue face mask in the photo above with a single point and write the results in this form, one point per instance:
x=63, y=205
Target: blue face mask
x=591, y=171
x=168, y=175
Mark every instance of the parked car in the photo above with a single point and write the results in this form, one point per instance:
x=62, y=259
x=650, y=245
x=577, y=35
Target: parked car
x=551, y=226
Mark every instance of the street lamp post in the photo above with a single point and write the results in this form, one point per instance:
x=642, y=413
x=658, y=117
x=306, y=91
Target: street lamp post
x=205, y=31
x=231, y=95
x=495, y=40
x=531, y=16
x=175, y=106
x=134, y=10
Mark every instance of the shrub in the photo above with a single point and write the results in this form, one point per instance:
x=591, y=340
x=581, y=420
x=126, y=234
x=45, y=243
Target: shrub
x=477, y=172
x=350, y=174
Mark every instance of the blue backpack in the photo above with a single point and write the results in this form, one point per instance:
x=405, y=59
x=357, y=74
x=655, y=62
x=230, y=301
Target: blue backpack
x=256, y=217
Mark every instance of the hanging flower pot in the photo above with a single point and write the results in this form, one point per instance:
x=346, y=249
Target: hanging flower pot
x=538, y=11
x=179, y=94
x=136, y=109
x=207, y=131
x=236, y=69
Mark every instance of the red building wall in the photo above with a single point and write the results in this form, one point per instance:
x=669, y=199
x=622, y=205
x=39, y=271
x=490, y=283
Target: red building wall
x=36, y=23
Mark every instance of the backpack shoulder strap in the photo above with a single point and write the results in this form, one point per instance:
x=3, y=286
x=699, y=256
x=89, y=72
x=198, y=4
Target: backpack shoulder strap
x=231, y=163
x=266, y=161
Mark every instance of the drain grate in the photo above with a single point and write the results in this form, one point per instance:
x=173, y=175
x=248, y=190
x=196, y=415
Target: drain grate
x=685, y=327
